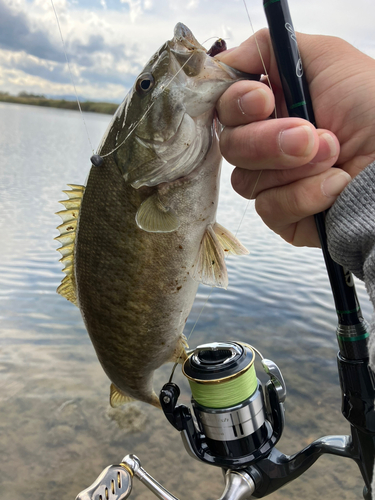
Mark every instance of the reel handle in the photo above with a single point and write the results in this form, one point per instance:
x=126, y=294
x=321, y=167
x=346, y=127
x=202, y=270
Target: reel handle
x=116, y=482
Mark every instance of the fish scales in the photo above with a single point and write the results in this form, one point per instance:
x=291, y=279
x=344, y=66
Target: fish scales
x=122, y=269
x=146, y=232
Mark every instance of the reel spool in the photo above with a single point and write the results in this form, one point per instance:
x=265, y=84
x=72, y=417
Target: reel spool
x=227, y=398
x=235, y=422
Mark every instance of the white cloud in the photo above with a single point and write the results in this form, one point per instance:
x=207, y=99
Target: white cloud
x=108, y=46
x=136, y=8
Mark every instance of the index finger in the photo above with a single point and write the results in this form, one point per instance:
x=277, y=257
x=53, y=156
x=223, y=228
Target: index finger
x=253, y=56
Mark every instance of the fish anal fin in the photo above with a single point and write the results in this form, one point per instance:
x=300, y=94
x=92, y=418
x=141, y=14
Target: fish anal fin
x=209, y=267
x=67, y=239
x=179, y=354
x=154, y=217
x=118, y=398
x=228, y=242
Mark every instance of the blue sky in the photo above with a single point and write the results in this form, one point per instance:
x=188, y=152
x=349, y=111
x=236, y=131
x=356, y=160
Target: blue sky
x=109, y=41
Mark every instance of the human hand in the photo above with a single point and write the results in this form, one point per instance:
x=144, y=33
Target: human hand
x=296, y=159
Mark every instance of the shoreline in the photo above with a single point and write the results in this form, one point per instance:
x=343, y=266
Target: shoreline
x=87, y=106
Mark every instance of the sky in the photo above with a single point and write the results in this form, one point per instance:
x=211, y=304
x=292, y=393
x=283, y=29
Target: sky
x=109, y=41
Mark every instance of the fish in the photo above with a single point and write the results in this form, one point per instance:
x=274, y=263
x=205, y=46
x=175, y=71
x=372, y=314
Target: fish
x=141, y=235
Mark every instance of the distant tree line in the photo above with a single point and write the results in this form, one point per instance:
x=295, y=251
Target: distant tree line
x=41, y=100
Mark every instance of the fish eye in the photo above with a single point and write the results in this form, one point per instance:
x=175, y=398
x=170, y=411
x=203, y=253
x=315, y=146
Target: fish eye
x=144, y=83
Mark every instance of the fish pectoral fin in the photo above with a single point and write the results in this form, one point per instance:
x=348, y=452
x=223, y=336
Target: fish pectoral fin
x=117, y=398
x=228, y=241
x=154, y=217
x=209, y=267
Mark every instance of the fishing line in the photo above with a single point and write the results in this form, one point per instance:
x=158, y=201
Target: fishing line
x=252, y=192
x=71, y=75
x=155, y=97
x=259, y=51
x=215, y=37
x=212, y=288
x=259, y=175
x=225, y=391
x=162, y=89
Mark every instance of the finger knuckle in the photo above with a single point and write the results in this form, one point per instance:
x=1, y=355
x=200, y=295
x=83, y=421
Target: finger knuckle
x=264, y=207
x=297, y=202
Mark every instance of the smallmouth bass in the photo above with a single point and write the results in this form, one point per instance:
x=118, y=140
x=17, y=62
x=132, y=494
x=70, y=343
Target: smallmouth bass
x=142, y=234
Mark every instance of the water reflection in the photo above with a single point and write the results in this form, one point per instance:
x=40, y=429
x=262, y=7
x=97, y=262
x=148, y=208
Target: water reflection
x=57, y=428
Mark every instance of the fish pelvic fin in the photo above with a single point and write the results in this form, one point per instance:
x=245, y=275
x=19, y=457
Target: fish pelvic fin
x=67, y=237
x=209, y=267
x=228, y=241
x=154, y=217
x=117, y=398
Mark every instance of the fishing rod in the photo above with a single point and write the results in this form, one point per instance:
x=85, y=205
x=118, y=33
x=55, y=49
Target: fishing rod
x=356, y=378
x=235, y=421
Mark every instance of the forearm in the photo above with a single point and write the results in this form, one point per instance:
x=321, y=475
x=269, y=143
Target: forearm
x=350, y=227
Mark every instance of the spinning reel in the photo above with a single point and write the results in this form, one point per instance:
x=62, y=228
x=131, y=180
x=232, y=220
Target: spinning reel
x=236, y=422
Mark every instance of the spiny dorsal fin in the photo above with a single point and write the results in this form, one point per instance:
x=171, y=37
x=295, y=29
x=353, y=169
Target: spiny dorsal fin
x=154, y=217
x=117, y=398
x=67, y=239
x=228, y=241
x=71, y=203
x=209, y=266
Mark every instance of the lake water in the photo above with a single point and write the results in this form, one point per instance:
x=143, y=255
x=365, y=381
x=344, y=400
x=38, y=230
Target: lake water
x=57, y=431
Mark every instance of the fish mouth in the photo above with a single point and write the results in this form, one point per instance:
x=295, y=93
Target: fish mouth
x=192, y=56
x=184, y=36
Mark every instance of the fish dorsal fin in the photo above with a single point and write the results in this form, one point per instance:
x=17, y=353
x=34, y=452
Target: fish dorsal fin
x=67, y=239
x=209, y=266
x=117, y=398
x=154, y=217
x=228, y=241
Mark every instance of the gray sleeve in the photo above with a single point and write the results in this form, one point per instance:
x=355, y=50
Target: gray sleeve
x=350, y=225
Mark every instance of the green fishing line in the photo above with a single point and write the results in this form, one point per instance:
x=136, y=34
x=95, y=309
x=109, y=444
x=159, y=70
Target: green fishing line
x=225, y=393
